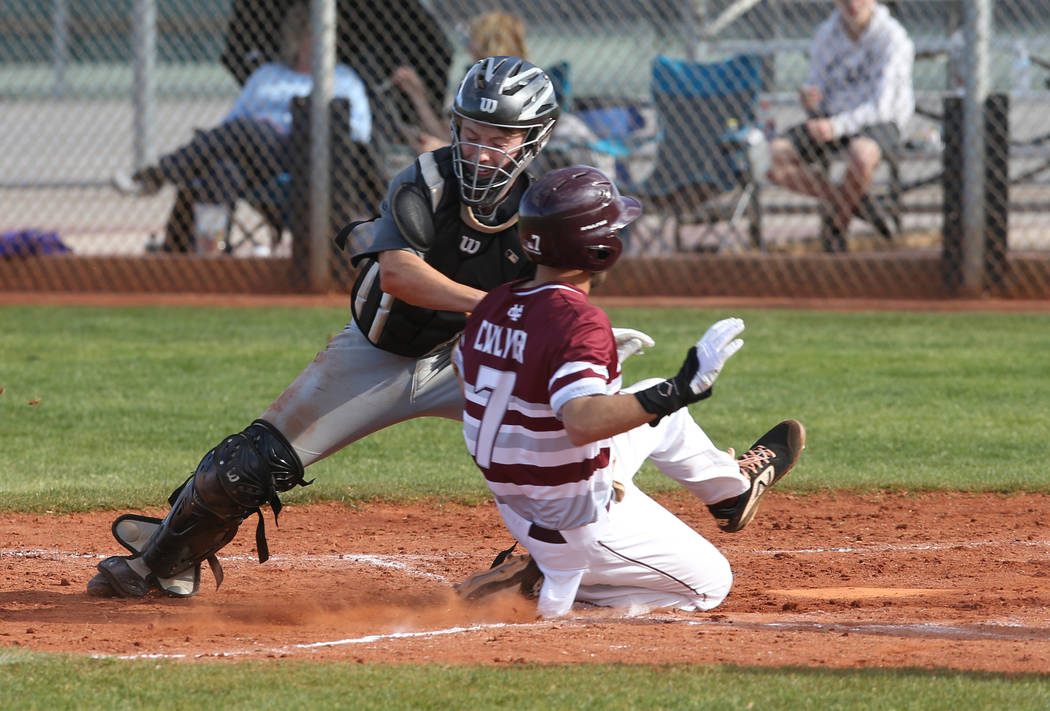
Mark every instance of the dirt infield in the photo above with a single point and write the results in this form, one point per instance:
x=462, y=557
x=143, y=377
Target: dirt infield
x=880, y=580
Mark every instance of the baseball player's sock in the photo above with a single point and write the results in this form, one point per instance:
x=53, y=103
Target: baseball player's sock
x=765, y=463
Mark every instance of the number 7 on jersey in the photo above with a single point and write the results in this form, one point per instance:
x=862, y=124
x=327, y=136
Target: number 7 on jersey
x=498, y=385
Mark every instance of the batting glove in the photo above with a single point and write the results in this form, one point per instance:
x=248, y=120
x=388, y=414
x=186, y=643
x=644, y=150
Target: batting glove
x=713, y=350
x=630, y=341
x=702, y=365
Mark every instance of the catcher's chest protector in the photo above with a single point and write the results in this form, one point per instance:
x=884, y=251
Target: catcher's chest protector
x=465, y=255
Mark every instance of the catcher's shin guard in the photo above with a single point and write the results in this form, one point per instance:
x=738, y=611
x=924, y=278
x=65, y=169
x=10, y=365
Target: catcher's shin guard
x=245, y=471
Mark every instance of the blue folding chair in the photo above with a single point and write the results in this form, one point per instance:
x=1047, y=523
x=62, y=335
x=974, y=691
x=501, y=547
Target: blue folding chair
x=705, y=169
x=562, y=80
x=592, y=136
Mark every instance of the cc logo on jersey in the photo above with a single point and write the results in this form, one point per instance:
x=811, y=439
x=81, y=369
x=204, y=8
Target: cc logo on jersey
x=469, y=245
x=488, y=105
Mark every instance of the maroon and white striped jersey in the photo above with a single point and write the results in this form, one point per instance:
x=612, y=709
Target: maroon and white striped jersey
x=523, y=354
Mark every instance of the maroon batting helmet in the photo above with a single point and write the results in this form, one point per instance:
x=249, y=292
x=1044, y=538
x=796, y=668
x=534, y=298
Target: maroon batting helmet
x=570, y=218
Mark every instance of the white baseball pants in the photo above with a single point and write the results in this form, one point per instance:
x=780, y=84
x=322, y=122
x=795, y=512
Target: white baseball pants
x=638, y=555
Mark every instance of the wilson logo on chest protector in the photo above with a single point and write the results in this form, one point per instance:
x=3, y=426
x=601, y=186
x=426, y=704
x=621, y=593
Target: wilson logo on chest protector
x=469, y=245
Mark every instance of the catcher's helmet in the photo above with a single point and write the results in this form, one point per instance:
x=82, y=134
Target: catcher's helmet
x=570, y=218
x=509, y=93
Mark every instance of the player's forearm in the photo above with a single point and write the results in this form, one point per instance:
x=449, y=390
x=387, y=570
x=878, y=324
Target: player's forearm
x=588, y=419
x=407, y=277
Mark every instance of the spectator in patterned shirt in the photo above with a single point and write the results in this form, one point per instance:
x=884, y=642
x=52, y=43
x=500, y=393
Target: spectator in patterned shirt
x=559, y=441
x=858, y=98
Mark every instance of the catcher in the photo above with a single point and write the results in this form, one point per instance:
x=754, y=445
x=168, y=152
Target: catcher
x=559, y=441
x=446, y=234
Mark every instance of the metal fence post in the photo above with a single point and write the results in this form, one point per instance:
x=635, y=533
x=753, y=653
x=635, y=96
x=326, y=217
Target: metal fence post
x=977, y=31
x=320, y=195
x=144, y=53
x=60, y=46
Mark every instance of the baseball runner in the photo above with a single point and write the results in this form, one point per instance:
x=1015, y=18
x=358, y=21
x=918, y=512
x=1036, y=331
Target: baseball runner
x=446, y=234
x=559, y=442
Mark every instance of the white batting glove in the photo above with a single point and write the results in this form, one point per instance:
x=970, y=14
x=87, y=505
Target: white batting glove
x=702, y=365
x=718, y=344
x=629, y=341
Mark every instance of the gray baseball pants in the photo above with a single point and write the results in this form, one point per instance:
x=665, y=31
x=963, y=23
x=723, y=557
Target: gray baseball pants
x=353, y=389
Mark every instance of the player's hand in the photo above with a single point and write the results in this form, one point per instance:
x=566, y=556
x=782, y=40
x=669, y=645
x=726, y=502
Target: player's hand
x=702, y=365
x=629, y=341
x=717, y=346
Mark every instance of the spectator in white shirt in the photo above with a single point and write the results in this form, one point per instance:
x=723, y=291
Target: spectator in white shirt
x=858, y=97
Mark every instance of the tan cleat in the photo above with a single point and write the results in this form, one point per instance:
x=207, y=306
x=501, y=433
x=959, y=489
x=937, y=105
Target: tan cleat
x=518, y=570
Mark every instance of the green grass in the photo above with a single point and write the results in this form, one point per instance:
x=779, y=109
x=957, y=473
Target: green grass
x=128, y=400
x=54, y=682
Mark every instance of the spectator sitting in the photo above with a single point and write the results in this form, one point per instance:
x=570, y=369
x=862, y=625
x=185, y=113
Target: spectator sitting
x=249, y=148
x=858, y=97
x=491, y=34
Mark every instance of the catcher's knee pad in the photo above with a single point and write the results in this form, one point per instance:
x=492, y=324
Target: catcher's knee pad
x=245, y=471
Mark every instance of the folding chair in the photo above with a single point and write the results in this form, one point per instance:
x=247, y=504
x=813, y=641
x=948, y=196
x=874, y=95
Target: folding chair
x=709, y=152
x=357, y=183
x=282, y=203
x=201, y=221
x=561, y=78
x=262, y=228
x=583, y=136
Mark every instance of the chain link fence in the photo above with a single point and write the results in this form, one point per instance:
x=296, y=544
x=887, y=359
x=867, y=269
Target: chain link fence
x=132, y=157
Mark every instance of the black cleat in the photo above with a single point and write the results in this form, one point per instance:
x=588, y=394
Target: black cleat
x=99, y=586
x=766, y=463
x=123, y=580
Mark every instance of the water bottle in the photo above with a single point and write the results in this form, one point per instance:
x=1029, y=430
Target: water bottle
x=210, y=221
x=1021, y=70
x=757, y=146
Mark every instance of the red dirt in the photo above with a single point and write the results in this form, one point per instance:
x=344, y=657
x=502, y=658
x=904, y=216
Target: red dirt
x=879, y=580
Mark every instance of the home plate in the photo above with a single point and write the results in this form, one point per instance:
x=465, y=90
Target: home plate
x=857, y=593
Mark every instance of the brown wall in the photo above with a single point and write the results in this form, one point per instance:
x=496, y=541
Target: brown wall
x=686, y=275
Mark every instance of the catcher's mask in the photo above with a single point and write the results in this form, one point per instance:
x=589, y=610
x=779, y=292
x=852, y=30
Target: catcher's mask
x=571, y=219
x=506, y=93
